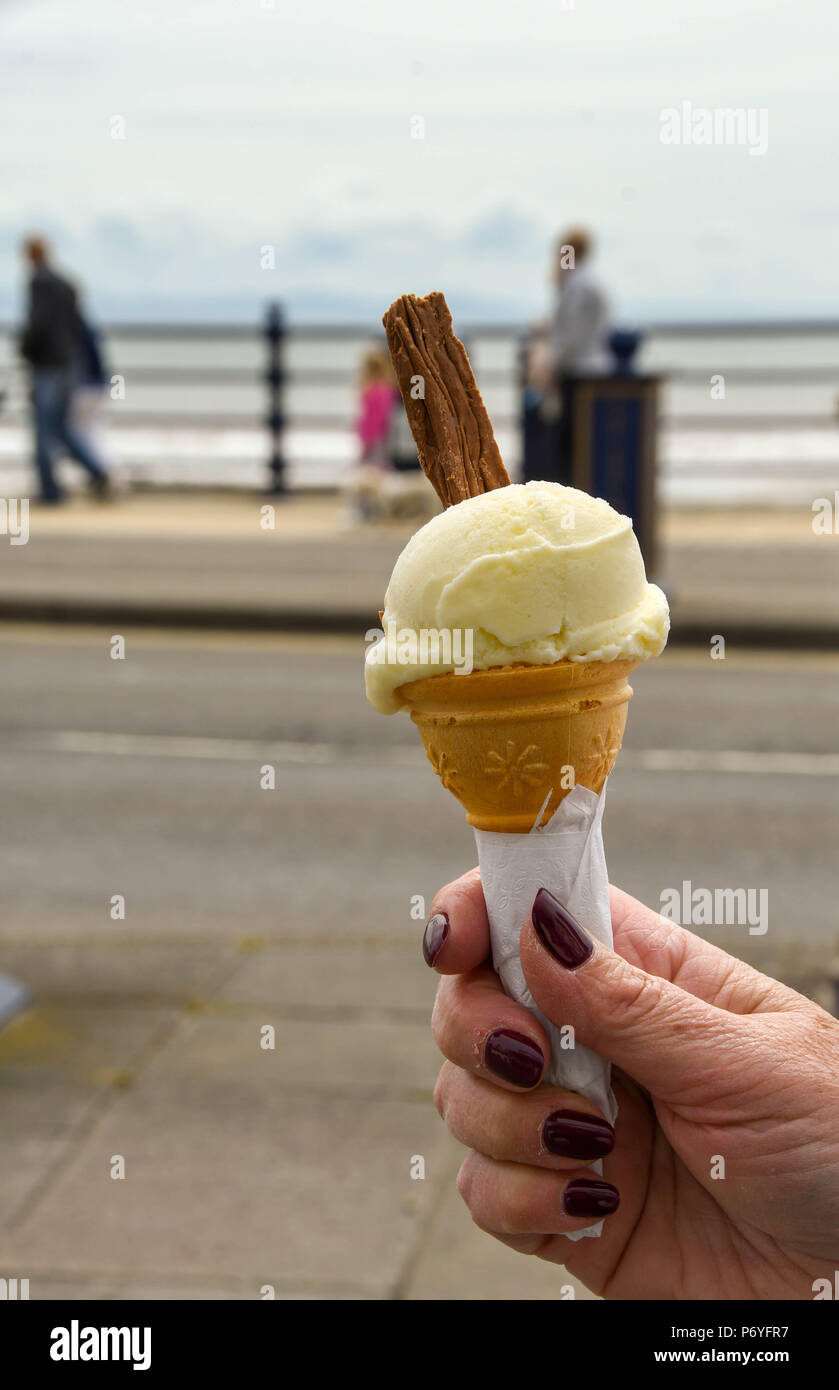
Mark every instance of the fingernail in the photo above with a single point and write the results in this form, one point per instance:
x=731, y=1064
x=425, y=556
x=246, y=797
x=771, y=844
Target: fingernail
x=558, y=932
x=587, y=1197
x=571, y=1134
x=434, y=938
x=514, y=1057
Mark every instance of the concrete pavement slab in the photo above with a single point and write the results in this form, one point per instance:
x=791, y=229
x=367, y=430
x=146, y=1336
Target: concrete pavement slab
x=86, y=1288
x=231, y=1175
x=371, y=1059
x=58, y=1066
x=27, y=1160
x=122, y=971
x=458, y=1261
x=393, y=980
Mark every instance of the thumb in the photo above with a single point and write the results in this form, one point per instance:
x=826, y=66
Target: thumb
x=668, y=1040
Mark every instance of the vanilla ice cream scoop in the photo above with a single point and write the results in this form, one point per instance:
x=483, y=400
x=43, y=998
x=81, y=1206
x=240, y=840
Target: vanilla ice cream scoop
x=534, y=573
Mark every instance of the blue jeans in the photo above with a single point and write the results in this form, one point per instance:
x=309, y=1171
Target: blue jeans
x=52, y=394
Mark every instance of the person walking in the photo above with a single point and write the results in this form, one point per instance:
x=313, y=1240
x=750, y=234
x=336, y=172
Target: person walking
x=578, y=332
x=52, y=342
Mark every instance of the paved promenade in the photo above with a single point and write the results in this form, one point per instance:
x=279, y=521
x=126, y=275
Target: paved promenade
x=205, y=560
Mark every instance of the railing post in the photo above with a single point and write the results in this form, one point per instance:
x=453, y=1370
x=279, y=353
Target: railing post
x=275, y=376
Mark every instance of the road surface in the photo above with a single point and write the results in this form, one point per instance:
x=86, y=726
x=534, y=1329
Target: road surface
x=142, y=777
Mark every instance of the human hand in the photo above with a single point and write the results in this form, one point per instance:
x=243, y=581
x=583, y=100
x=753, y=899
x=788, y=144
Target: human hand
x=718, y=1070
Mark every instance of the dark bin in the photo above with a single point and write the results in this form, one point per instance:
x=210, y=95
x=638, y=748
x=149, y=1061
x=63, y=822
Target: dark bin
x=613, y=447
x=603, y=440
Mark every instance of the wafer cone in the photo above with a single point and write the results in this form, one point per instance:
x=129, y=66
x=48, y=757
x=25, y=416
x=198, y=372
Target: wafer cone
x=511, y=742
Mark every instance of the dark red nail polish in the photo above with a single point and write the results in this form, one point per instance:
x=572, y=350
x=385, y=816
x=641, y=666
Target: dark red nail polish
x=434, y=939
x=558, y=932
x=586, y=1197
x=571, y=1134
x=514, y=1057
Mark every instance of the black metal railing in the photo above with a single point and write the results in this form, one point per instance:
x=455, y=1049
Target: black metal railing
x=271, y=379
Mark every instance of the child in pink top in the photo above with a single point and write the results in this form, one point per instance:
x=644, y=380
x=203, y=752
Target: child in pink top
x=379, y=398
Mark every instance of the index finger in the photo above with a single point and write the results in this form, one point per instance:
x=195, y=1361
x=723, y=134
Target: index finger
x=457, y=931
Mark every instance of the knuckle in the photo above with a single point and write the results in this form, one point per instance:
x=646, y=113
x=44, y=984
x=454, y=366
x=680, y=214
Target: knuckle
x=481, y=1222
x=465, y=1178
x=442, y=1090
x=516, y=1212
x=472, y=1194
x=450, y=1017
x=442, y=1011
x=451, y=892
x=632, y=995
x=823, y=1036
x=441, y=897
x=498, y=1202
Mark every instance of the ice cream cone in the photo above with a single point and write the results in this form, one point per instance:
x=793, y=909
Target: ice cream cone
x=511, y=742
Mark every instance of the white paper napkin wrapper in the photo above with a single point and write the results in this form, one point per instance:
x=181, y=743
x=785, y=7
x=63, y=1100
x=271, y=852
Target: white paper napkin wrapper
x=566, y=856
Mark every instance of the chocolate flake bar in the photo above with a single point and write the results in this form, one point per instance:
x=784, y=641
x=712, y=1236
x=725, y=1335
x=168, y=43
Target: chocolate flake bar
x=448, y=419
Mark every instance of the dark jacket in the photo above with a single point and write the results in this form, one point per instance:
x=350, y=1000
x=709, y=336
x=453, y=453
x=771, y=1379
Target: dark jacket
x=52, y=333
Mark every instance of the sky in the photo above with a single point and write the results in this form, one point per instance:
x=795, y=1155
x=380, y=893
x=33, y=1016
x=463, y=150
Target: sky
x=291, y=126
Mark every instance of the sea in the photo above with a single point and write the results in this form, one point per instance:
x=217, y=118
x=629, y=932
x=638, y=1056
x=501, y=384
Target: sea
x=748, y=413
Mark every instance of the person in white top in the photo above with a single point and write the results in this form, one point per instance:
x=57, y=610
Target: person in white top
x=577, y=337
x=581, y=315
